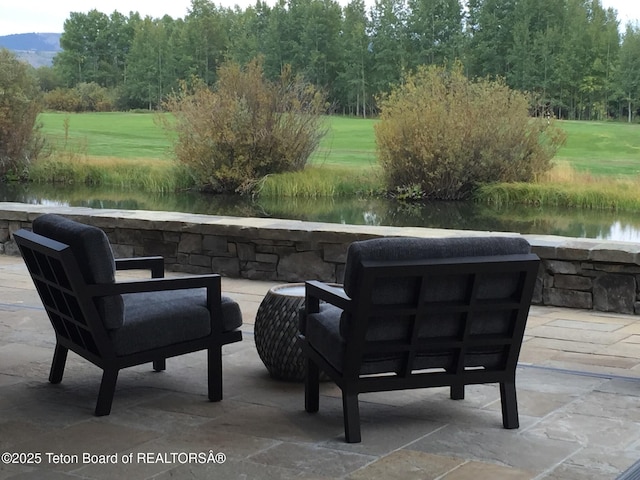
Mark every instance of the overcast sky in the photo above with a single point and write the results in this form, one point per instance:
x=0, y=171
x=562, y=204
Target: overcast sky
x=48, y=16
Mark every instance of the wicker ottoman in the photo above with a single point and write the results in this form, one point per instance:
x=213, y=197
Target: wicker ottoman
x=276, y=331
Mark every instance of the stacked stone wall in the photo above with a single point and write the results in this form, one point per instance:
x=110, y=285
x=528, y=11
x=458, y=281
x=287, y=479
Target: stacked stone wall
x=575, y=273
x=588, y=274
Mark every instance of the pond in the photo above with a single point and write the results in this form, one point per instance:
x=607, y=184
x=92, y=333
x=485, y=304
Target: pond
x=359, y=211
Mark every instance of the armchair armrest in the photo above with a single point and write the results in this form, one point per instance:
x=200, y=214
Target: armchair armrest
x=154, y=264
x=212, y=281
x=316, y=291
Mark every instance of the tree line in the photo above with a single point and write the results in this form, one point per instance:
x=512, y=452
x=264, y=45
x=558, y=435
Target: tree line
x=569, y=55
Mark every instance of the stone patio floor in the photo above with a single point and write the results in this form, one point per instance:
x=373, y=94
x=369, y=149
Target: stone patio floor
x=578, y=395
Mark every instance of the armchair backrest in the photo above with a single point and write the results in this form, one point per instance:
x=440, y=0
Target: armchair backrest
x=94, y=256
x=444, y=303
x=57, y=276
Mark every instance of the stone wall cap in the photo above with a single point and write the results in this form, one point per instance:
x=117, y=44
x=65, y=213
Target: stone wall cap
x=199, y=223
x=548, y=240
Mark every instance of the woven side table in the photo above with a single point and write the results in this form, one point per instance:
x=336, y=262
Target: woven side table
x=276, y=330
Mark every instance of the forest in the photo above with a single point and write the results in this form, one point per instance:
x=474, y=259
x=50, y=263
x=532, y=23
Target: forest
x=572, y=57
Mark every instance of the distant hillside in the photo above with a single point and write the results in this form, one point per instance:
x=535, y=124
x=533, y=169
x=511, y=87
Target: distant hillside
x=38, y=49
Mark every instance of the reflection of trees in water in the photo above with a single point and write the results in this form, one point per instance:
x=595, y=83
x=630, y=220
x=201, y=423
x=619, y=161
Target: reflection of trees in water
x=563, y=221
x=358, y=211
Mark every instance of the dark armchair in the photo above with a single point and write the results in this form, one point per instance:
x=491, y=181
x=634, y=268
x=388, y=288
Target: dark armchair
x=419, y=313
x=115, y=325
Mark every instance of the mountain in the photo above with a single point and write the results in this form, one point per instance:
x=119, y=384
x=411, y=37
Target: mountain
x=38, y=49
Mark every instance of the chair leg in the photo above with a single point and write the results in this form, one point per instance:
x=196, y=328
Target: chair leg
x=160, y=364
x=351, y=413
x=214, y=372
x=57, y=366
x=311, y=387
x=107, y=390
x=457, y=392
x=509, y=405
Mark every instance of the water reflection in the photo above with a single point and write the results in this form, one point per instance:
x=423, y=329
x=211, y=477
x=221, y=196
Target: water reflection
x=358, y=211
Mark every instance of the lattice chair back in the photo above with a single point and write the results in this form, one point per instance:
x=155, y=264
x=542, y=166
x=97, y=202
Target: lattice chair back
x=416, y=310
x=61, y=272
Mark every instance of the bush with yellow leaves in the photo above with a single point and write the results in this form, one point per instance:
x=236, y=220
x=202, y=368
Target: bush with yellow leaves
x=246, y=127
x=441, y=135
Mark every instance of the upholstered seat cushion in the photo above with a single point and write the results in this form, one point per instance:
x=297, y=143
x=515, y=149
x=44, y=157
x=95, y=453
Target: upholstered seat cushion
x=158, y=319
x=92, y=250
x=323, y=332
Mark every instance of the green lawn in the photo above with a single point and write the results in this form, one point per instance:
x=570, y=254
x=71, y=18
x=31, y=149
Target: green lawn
x=349, y=142
x=117, y=134
x=599, y=148
x=602, y=148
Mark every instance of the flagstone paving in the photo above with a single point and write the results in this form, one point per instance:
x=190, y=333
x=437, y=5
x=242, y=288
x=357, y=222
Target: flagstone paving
x=578, y=394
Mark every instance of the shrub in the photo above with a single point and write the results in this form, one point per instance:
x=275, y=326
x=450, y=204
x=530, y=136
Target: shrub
x=246, y=128
x=84, y=97
x=442, y=135
x=20, y=140
x=62, y=100
x=93, y=97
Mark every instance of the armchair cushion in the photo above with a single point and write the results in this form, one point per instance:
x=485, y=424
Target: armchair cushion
x=398, y=249
x=159, y=319
x=323, y=332
x=92, y=250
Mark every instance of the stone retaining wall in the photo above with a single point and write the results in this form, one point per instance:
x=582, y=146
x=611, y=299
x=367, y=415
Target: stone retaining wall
x=590, y=274
x=577, y=273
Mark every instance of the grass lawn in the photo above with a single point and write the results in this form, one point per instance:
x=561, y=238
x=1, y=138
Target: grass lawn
x=349, y=142
x=117, y=134
x=611, y=149
x=602, y=148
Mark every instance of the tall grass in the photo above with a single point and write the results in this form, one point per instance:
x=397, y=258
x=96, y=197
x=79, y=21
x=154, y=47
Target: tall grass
x=564, y=186
x=147, y=175
x=322, y=181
